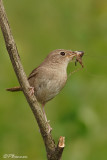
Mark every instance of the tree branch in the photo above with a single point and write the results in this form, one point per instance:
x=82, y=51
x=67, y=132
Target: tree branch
x=53, y=152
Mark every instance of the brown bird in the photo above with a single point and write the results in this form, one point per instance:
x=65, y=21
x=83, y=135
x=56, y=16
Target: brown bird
x=50, y=76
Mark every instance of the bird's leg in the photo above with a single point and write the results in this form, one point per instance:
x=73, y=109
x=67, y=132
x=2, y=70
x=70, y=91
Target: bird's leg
x=50, y=129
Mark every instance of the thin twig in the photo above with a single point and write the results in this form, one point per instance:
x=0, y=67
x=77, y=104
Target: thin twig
x=53, y=152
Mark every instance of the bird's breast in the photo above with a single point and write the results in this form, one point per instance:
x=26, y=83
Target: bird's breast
x=49, y=84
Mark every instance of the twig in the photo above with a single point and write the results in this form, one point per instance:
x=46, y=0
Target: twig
x=53, y=152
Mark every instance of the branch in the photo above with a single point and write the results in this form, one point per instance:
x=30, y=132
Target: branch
x=53, y=152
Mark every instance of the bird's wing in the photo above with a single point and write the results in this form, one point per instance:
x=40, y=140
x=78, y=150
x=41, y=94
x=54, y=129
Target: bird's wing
x=33, y=73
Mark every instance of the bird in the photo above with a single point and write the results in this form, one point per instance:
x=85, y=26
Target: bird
x=49, y=78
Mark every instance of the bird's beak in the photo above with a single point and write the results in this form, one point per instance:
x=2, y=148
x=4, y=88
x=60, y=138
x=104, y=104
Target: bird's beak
x=71, y=55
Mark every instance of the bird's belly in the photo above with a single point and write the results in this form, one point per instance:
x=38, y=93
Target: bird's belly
x=48, y=89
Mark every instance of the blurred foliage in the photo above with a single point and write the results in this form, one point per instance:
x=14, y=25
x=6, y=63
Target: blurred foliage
x=79, y=112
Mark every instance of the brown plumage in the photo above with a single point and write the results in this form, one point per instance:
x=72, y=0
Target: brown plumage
x=51, y=75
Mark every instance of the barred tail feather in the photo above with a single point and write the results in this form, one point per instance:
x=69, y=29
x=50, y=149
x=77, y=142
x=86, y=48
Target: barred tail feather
x=14, y=89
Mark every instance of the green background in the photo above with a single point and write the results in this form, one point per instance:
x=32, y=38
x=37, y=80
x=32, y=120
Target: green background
x=79, y=112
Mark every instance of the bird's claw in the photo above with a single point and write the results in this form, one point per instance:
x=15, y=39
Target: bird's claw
x=49, y=127
x=31, y=90
x=48, y=121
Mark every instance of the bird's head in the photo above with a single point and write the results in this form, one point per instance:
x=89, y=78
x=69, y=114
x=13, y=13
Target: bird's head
x=62, y=56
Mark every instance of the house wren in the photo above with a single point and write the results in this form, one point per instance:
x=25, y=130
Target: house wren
x=50, y=76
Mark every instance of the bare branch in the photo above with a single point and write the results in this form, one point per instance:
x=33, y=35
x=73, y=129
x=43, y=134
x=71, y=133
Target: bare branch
x=53, y=152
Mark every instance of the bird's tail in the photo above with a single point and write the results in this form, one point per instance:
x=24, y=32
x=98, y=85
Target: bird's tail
x=14, y=89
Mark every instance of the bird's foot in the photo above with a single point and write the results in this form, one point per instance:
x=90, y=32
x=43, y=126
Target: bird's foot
x=31, y=90
x=49, y=127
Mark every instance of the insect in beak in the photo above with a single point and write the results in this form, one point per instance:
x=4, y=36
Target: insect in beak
x=79, y=55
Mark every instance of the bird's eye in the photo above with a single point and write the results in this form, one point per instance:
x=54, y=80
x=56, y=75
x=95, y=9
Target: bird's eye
x=62, y=53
